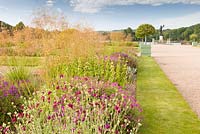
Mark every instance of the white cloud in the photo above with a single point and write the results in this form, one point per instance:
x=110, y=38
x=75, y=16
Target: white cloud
x=93, y=6
x=50, y=3
x=3, y=8
x=182, y=21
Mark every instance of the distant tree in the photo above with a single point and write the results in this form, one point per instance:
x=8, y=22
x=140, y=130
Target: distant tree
x=145, y=30
x=186, y=34
x=129, y=33
x=20, y=26
x=117, y=36
x=193, y=37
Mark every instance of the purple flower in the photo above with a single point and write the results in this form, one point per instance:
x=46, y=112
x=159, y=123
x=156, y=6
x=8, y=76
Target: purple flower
x=5, y=83
x=107, y=126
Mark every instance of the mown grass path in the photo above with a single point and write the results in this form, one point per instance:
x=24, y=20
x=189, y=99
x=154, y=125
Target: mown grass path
x=165, y=110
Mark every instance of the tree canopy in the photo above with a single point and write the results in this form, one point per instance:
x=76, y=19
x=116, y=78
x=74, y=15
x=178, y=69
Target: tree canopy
x=182, y=34
x=20, y=26
x=129, y=34
x=145, y=30
x=193, y=37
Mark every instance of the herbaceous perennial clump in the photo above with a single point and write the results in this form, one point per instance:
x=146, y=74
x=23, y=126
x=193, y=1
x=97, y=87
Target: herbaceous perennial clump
x=83, y=105
x=10, y=93
x=100, y=68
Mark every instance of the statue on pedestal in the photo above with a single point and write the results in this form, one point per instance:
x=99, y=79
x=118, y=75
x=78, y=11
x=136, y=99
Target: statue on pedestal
x=161, y=33
x=161, y=30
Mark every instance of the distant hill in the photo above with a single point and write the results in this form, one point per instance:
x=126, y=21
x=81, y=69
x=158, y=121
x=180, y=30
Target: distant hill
x=5, y=26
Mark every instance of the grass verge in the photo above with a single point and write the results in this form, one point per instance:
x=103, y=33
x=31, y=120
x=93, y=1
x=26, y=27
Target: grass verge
x=165, y=110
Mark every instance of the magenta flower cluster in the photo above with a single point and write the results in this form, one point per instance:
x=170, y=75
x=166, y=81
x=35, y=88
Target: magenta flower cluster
x=84, y=105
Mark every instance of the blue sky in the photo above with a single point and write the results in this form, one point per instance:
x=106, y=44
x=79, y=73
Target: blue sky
x=108, y=14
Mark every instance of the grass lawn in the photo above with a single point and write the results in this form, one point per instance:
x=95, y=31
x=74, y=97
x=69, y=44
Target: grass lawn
x=165, y=110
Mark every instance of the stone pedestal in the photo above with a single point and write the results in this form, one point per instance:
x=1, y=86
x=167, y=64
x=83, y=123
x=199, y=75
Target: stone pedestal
x=153, y=41
x=168, y=42
x=161, y=38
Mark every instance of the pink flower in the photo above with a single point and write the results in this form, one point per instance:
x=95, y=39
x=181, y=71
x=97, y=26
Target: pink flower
x=49, y=92
x=86, y=79
x=78, y=93
x=117, y=108
x=57, y=87
x=24, y=128
x=61, y=76
x=43, y=98
x=100, y=129
x=49, y=99
x=94, y=95
x=116, y=132
x=49, y=117
x=71, y=105
x=107, y=126
x=63, y=108
x=115, y=84
x=21, y=115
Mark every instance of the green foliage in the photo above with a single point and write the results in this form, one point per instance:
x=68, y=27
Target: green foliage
x=19, y=26
x=129, y=33
x=193, y=37
x=145, y=30
x=22, y=61
x=18, y=73
x=7, y=44
x=181, y=34
x=132, y=44
x=125, y=43
x=5, y=26
x=93, y=67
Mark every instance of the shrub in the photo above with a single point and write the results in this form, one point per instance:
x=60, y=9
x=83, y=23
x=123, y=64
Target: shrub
x=84, y=105
x=17, y=73
x=132, y=44
x=123, y=58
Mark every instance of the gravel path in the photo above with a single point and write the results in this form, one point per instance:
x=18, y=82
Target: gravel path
x=182, y=66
